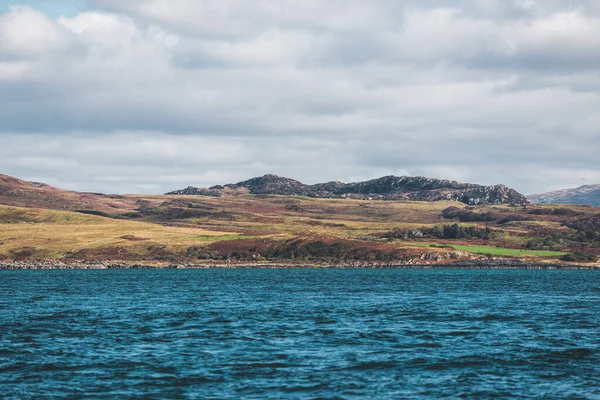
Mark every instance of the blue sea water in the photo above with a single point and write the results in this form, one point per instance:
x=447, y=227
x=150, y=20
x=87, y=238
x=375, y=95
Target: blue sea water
x=300, y=333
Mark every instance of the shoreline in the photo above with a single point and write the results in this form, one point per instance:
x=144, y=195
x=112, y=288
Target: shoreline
x=470, y=264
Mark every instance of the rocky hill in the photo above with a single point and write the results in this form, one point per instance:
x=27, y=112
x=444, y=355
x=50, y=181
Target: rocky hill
x=583, y=195
x=385, y=188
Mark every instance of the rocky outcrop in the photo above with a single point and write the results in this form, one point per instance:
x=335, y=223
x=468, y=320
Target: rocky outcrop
x=584, y=195
x=385, y=188
x=197, y=191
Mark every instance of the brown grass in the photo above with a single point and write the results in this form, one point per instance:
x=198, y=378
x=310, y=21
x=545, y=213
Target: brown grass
x=59, y=233
x=165, y=226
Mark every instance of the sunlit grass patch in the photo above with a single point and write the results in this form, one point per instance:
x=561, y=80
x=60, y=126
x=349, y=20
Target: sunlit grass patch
x=498, y=251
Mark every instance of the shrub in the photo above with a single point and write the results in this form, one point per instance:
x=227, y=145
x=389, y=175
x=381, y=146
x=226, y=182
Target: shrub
x=579, y=256
x=511, y=218
x=467, y=216
x=453, y=231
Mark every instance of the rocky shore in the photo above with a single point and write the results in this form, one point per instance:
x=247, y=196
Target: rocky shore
x=468, y=264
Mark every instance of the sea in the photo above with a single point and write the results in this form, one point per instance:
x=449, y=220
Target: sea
x=299, y=333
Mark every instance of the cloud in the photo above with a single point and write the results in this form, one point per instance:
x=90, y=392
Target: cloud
x=26, y=33
x=152, y=95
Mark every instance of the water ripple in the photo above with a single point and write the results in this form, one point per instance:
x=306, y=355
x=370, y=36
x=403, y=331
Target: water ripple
x=299, y=334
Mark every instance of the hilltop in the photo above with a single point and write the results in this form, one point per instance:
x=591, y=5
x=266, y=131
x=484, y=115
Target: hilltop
x=585, y=195
x=385, y=188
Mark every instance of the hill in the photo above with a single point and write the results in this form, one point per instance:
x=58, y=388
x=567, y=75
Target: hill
x=293, y=229
x=385, y=188
x=238, y=227
x=584, y=195
x=17, y=192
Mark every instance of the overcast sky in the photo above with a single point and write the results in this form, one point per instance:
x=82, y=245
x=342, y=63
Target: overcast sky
x=148, y=96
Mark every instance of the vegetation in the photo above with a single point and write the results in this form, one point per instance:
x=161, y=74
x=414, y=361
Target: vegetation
x=261, y=228
x=497, y=251
x=454, y=231
x=35, y=233
x=579, y=256
x=466, y=215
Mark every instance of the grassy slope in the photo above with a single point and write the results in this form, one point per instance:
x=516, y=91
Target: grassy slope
x=39, y=233
x=164, y=226
x=487, y=250
x=19, y=193
x=496, y=251
x=301, y=215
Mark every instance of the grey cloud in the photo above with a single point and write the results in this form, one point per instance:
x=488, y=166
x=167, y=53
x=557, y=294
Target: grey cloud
x=153, y=95
x=155, y=163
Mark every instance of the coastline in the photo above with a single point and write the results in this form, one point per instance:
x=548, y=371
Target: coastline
x=470, y=264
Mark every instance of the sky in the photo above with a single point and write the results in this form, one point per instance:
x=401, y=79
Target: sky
x=149, y=96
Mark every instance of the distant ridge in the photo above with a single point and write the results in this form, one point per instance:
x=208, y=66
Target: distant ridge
x=583, y=195
x=385, y=188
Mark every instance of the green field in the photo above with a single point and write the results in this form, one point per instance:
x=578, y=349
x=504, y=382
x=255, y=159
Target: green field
x=498, y=251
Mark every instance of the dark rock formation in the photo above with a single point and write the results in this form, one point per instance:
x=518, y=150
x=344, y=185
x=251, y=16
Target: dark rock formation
x=198, y=191
x=584, y=195
x=385, y=188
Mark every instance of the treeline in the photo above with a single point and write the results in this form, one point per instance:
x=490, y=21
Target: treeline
x=552, y=211
x=454, y=231
x=465, y=215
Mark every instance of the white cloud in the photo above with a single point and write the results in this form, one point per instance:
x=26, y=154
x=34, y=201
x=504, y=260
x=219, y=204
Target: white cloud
x=27, y=33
